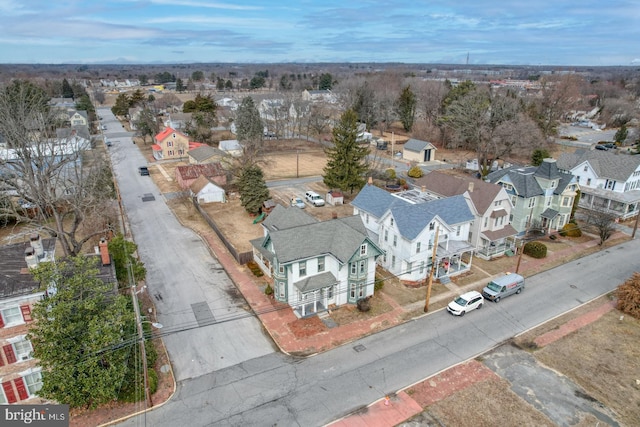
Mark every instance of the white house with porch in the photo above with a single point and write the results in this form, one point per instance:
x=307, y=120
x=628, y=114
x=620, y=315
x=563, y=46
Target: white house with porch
x=405, y=225
x=315, y=265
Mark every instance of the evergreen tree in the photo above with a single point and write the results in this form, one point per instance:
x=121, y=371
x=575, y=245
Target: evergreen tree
x=249, y=127
x=80, y=334
x=253, y=189
x=621, y=134
x=406, y=108
x=325, y=82
x=346, y=159
x=121, y=106
x=67, y=90
x=538, y=156
x=180, y=87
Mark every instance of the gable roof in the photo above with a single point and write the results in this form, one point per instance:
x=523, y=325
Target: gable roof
x=447, y=185
x=166, y=132
x=209, y=170
x=204, y=152
x=375, y=200
x=229, y=145
x=339, y=237
x=605, y=164
x=281, y=218
x=200, y=183
x=524, y=180
x=416, y=145
x=412, y=219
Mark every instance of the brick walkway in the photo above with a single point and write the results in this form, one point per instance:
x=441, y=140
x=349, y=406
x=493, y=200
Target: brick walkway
x=276, y=317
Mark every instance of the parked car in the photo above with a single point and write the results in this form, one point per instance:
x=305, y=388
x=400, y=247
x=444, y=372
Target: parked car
x=314, y=198
x=144, y=171
x=601, y=147
x=103, y=127
x=466, y=302
x=503, y=286
x=298, y=203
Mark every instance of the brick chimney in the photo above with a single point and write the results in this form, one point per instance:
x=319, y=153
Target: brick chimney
x=471, y=184
x=104, y=252
x=370, y=181
x=36, y=244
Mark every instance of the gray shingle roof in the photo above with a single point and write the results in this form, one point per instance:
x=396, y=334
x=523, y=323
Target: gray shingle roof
x=339, y=237
x=415, y=145
x=375, y=200
x=205, y=152
x=524, y=180
x=606, y=164
x=412, y=219
x=281, y=218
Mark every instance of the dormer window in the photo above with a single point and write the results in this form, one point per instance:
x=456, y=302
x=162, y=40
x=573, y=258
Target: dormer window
x=432, y=226
x=391, y=221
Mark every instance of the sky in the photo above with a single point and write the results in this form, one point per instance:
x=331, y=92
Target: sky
x=534, y=32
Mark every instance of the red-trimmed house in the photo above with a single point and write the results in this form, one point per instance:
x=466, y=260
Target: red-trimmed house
x=20, y=374
x=170, y=144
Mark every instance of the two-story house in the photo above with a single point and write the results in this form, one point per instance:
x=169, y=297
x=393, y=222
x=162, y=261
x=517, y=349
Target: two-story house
x=608, y=181
x=490, y=232
x=408, y=224
x=20, y=376
x=542, y=196
x=170, y=144
x=313, y=264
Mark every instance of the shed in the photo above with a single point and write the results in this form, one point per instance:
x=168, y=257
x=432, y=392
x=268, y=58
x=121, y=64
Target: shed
x=206, y=191
x=335, y=198
x=230, y=146
x=268, y=205
x=419, y=151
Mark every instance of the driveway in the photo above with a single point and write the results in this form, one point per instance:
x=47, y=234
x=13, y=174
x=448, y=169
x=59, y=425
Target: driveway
x=206, y=324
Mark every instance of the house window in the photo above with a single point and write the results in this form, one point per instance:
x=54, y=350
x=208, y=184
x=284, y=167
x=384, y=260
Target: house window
x=170, y=153
x=432, y=226
x=421, y=267
x=363, y=267
x=22, y=348
x=565, y=201
x=169, y=144
x=458, y=230
x=532, y=202
x=363, y=249
x=302, y=268
x=395, y=240
x=180, y=152
x=33, y=382
x=588, y=181
x=514, y=199
x=173, y=136
x=353, y=268
x=497, y=203
x=386, y=235
x=418, y=247
x=366, y=218
x=486, y=222
x=281, y=290
x=391, y=220
x=586, y=168
x=356, y=291
x=330, y=292
x=11, y=316
x=409, y=267
x=393, y=261
x=281, y=268
x=320, y=264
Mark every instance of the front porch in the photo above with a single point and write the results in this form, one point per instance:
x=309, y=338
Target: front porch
x=623, y=205
x=314, y=293
x=497, y=243
x=450, y=260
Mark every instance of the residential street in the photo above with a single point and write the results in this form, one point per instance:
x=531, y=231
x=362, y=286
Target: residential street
x=277, y=389
x=190, y=289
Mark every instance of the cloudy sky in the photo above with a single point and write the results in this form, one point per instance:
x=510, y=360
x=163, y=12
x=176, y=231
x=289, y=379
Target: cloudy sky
x=534, y=32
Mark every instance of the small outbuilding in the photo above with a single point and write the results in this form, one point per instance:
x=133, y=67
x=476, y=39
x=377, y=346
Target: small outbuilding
x=335, y=197
x=206, y=191
x=418, y=151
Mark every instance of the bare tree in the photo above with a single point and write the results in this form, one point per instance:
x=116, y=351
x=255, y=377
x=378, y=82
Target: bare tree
x=604, y=222
x=557, y=97
x=58, y=185
x=490, y=125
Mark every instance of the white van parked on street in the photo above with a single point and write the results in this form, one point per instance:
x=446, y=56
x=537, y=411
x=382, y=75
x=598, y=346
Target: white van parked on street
x=503, y=286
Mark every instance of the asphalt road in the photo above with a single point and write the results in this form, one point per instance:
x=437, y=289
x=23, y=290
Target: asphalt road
x=280, y=390
x=206, y=326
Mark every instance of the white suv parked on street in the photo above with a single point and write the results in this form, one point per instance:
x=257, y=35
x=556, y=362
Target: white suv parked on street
x=314, y=198
x=465, y=302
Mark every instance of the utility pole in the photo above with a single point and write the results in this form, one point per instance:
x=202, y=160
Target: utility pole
x=635, y=226
x=433, y=267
